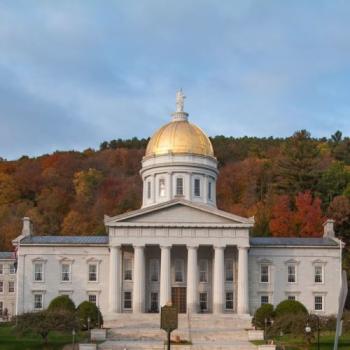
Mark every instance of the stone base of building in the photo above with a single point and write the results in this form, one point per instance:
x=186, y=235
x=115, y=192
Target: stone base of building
x=205, y=331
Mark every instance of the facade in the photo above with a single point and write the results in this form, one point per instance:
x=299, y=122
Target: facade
x=7, y=285
x=178, y=247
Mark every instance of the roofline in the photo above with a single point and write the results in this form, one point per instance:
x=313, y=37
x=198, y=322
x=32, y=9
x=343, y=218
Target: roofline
x=165, y=224
x=66, y=244
x=294, y=246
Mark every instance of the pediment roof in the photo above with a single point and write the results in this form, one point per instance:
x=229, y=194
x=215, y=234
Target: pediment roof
x=177, y=212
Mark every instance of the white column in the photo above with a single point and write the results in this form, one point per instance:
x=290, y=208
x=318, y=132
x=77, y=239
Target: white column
x=138, y=299
x=115, y=262
x=192, y=279
x=165, y=276
x=242, y=295
x=218, y=280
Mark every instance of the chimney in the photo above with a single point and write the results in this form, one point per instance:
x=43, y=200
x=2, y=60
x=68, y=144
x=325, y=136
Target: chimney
x=328, y=228
x=27, y=229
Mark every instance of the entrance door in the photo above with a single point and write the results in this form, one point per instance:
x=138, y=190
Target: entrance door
x=178, y=298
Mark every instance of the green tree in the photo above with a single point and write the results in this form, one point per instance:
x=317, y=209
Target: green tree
x=299, y=167
x=333, y=181
x=43, y=322
x=62, y=303
x=88, y=310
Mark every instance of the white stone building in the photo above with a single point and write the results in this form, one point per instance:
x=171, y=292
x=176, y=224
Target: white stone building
x=7, y=285
x=178, y=247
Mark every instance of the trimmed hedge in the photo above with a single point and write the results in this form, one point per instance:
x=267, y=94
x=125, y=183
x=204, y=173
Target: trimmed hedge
x=62, y=303
x=264, y=312
x=86, y=310
x=290, y=307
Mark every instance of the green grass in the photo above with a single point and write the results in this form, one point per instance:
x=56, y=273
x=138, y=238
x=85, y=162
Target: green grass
x=9, y=340
x=297, y=343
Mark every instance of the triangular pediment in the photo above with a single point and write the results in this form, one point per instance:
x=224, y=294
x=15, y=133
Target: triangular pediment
x=178, y=212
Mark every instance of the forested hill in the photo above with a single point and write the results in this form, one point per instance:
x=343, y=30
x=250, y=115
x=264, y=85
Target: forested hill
x=290, y=185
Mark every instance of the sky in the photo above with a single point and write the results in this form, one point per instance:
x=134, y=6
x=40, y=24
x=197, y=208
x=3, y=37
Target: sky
x=76, y=73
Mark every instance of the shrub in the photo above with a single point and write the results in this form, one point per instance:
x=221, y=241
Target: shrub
x=62, y=302
x=86, y=310
x=264, y=311
x=290, y=307
x=43, y=322
x=289, y=324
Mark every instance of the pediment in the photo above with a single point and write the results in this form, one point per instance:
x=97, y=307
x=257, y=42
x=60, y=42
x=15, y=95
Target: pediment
x=178, y=212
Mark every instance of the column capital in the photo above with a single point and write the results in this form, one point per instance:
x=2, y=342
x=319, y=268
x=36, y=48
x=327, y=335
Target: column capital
x=243, y=247
x=219, y=246
x=192, y=246
x=165, y=246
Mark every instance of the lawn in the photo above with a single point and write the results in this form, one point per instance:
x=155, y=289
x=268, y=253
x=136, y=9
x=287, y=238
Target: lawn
x=9, y=340
x=326, y=342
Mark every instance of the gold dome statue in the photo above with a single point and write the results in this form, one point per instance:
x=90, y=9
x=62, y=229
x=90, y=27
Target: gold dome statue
x=179, y=136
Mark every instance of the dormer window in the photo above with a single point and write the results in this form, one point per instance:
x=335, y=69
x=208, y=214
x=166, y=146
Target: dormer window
x=197, y=187
x=179, y=186
x=161, y=187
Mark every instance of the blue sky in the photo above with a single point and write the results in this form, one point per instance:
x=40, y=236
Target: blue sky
x=76, y=73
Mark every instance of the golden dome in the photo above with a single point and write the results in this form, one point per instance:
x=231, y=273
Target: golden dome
x=179, y=136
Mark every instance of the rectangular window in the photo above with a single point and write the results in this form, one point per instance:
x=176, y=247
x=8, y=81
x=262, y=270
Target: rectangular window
x=179, y=270
x=197, y=187
x=93, y=298
x=38, y=272
x=154, y=302
x=1, y=308
x=318, y=274
x=1, y=269
x=1, y=286
x=12, y=269
x=229, y=301
x=149, y=189
x=92, y=273
x=229, y=270
x=318, y=303
x=154, y=270
x=179, y=186
x=65, y=272
x=291, y=297
x=127, y=300
x=38, y=301
x=203, y=270
x=291, y=274
x=127, y=269
x=203, y=301
x=161, y=188
x=11, y=286
x=209, y=190
x=264, y=273
x=264, y=299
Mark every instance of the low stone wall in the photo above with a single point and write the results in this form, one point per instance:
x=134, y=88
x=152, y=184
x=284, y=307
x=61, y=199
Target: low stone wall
x=87, y=346
x=267, y=347
x=255, y=334
x=98, y=334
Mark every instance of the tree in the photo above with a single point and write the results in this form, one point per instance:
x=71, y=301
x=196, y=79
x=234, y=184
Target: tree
x=299, y=167
x=333, y=181
x=62, y=303
x=88, y=310
x=282, y=217
x=43, y=322
x=308, y=217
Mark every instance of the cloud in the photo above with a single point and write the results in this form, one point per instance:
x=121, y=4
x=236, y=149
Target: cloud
x=82, y=72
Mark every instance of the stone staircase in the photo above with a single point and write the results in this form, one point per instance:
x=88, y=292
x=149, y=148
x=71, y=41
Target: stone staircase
x=206, y=331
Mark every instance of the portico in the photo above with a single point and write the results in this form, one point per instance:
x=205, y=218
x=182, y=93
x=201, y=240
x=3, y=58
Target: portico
x=200, y=267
